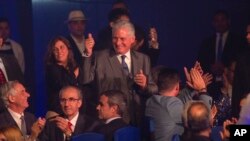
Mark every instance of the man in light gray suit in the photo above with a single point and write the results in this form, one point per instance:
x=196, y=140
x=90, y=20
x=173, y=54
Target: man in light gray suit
x=121, y=68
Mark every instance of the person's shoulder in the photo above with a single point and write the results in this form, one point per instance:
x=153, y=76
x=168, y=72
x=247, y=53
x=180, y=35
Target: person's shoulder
x=15, y=44
x=87, y=119
x=139, y=54
x=172, y=101
x=30, y=115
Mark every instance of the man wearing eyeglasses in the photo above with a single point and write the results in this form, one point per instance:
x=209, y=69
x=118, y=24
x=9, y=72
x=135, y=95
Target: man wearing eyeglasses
x=71, y=123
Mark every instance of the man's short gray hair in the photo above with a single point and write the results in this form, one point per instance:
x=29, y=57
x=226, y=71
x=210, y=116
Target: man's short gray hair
x=8, y=89
x=124, y=24
x=116, y=97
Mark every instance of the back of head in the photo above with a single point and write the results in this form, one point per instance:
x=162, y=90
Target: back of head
x=119, y=4
x=6, y=90
x=198, y=117
x=12, y=133
x=116, y=14
x=167, y=79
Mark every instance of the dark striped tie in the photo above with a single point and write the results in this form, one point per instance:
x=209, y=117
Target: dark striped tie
x=124, y=65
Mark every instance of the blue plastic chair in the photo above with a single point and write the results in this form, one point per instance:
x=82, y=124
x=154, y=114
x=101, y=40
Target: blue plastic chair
x=215, y=135
x=89, y=137
x=128, y=133
x=176, y=137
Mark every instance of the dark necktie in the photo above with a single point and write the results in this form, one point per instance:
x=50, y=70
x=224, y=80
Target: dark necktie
x=23, y=126
x=2, y=77
x=220, y=48
x=124, y=65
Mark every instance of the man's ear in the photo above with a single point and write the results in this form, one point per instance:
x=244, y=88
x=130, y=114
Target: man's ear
x=79, y=103
x=114, y=108
x=111, y=24
x=11, y=98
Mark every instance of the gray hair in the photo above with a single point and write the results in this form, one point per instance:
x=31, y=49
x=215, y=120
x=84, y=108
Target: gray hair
x=79, y=92
x=124, y=24
x=116, y=97
x=8, y=89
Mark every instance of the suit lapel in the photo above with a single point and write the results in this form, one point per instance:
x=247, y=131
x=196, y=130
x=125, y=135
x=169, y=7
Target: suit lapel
x=10, y=119
x=79, y=124
x=135, y=63
x=115, y=64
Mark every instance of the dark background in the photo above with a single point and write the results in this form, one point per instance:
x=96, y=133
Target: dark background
x=181, y=25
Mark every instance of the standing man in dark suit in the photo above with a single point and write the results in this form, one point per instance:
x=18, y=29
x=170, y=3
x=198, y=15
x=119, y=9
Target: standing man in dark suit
x=111, y=108
x=76, y=25
x=15, y=98
x=223, y=46
x=71, y=123
x=121, y=68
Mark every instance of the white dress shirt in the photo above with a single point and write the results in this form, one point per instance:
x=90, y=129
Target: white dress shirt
x=3, y=69
x=127, y=59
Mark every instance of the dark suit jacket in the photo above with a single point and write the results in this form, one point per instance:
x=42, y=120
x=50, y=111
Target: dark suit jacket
x=83, y=124
x=105, y=70
x=76, y=52
x=12, y=68
x=241, y=84
x=7, y=120
x=106, y=73
x=109, y=129
x=233, y=46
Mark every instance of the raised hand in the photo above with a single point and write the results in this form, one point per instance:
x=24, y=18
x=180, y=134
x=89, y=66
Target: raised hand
x=62, y=124
x=208, y=78
x=140, y=79
x=37, y=128
x=197, y=81
x=89, y=44
x=153, y=38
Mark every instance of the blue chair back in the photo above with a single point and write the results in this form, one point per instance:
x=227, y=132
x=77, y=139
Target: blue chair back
x=176, y=137
x=128, y=133
x=89, y=137
x=215, y=135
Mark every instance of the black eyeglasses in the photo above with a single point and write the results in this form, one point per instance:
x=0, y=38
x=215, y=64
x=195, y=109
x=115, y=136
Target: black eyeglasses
x=71, y=100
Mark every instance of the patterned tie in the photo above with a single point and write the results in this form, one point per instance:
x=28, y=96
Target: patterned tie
x=220, y=48
x=2, y=77
x=124, y=65
x=23, y=126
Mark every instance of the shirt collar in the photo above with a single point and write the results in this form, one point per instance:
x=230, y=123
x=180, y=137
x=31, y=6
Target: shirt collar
x=74, y=119
x=111, y=119
x=15, y=114
x=128, y=55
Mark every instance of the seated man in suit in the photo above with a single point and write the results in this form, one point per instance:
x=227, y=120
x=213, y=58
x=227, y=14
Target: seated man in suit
x=111, y=108
x=15, y=98
x=71, y=123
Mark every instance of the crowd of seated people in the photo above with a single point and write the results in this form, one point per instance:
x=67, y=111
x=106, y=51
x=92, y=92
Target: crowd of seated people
x=104, y=86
